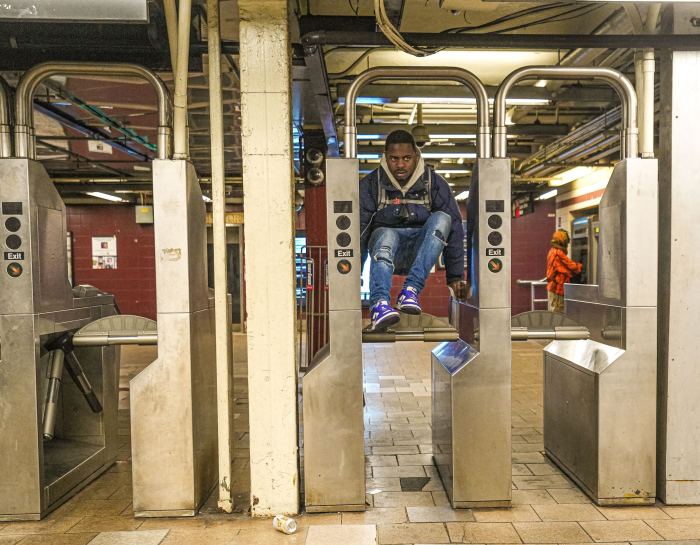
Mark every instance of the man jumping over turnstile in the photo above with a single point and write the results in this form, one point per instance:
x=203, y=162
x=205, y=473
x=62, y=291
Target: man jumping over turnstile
x=408, y=216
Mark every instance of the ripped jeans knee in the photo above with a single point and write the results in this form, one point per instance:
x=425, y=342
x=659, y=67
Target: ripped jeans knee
x=384, y=255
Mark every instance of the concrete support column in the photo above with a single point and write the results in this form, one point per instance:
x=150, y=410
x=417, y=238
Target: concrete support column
x=678, y=442
x=268, y=185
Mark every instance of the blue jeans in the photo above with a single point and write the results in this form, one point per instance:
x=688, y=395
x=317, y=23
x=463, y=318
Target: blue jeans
x=405, y=250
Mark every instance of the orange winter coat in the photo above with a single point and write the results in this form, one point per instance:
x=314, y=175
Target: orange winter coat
x=560, y=269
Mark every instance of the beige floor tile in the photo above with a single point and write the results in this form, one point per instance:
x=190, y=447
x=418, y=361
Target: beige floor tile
x=46, y=526
x=517, y=513
x=531, y=497
x=100, y=507
x=551, y=532
x=106, y=524
x=568, y=495
x=208, y=536
x=415, y=459
x=316, y=519
x=357, y=534
x=486, y=532
x=397, y=471
x=57, y=539
x=676, y=528
x=541, y=482
x=520, y=469
x=544, y=469
x=406, y=449
x=640, y=512
x=438, y=514
x=440, y=498
x=148, y=537
x=382, y=461
x=620, y=530
x=403, y=499
x=528, y=458
x=567, y=512
x=377, y=515
x=682, y=511
x=411, y=533
x=383, y=484
x=10, y=540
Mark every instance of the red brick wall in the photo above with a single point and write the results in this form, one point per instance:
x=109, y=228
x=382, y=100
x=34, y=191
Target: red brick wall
x=531, y=234
x=133, y=282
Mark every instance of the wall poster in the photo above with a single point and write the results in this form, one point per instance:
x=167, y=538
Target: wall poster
x=104, y=252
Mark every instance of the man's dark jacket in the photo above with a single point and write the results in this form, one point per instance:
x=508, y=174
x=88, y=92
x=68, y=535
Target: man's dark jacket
x=412, y=215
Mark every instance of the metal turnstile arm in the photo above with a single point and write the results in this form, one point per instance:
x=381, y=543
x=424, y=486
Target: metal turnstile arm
x=562, y=333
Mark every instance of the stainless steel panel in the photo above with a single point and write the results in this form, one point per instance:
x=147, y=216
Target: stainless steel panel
x=679, y=281
x=37, y=476
x=174, y=398
x=471, y=377
x=333, y=425
x=75, y=10
x=600, y=394
x=334, y=459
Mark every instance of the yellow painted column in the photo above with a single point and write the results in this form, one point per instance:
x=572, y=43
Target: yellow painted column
x=268, y=184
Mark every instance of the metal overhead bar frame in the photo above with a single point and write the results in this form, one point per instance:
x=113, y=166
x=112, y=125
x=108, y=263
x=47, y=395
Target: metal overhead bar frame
x=615, y=79
x=24, y=126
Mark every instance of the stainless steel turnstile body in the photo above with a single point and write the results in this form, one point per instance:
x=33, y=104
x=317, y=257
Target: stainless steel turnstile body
x=37, y=306
x=173, y=400
x=600, y=394
x=333, y=425
x=471, y=377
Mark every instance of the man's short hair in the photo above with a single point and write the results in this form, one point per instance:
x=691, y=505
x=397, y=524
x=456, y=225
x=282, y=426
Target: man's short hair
x=399, y=137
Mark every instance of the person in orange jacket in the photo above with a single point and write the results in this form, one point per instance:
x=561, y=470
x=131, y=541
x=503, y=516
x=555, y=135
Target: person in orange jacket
x=560, y=269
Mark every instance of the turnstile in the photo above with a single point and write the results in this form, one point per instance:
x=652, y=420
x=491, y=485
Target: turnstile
x=333, y=425
x=56, y=434
x=471, y=377
x=600, y=393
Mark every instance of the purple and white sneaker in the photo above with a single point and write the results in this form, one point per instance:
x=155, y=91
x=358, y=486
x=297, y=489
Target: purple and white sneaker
x=383, y=316
x=408, y=301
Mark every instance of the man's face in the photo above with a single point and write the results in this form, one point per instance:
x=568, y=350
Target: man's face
x=402, y=160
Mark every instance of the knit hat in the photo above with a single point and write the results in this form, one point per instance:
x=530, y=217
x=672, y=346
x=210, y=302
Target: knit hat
x=560, y=239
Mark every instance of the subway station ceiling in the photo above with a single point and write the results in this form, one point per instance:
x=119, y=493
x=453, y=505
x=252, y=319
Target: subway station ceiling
x=100, y=132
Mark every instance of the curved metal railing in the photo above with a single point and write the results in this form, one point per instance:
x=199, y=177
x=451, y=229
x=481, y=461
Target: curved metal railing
x=24, y=121
x=432, y=73
x=623, y=87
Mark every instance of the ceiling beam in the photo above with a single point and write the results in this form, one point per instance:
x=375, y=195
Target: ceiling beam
x=318, y=75
x=541, y=129
x=543, y=42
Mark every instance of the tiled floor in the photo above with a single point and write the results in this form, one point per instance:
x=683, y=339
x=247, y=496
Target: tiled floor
x=406, y=501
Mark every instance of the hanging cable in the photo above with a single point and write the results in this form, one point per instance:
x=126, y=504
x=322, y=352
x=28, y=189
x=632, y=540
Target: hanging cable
x=393, y=35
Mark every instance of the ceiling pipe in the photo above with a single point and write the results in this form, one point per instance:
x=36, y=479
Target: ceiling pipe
x=617, y=23
x=24, y=123
x=171, y=26
x=5, y=127
x=430, y=73
x=623, y=87
x=180, y=150
x=544, y=42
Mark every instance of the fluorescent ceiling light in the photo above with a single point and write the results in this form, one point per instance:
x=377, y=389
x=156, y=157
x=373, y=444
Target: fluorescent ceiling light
x=455, y=171
x=515, y=101
x=455, y=136
x=370, y=155
x=592, y=175
x=548, y=195
x=367, y=100
x=105, y=196
x=206, y=199
x=448, y=155
x=370, y=137
x=463, y=196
